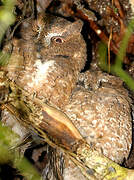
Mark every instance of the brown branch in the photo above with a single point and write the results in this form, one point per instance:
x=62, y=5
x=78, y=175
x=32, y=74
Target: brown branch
x=97, y=30
x=120, y=10
x=117, y=37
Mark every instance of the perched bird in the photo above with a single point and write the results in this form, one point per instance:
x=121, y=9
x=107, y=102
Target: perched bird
x=47, y=62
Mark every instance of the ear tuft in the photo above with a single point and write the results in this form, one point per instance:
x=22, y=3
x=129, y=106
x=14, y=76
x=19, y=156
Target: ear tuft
x=75, y=27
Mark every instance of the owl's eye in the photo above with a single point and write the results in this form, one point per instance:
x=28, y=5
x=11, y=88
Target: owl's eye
x=58, y=40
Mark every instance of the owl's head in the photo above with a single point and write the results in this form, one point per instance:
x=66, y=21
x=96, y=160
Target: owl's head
x=63, y=39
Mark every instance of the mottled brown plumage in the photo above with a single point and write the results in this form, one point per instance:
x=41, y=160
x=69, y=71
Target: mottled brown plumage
x=48, y=63
x=50, y=67
x=103, y=117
